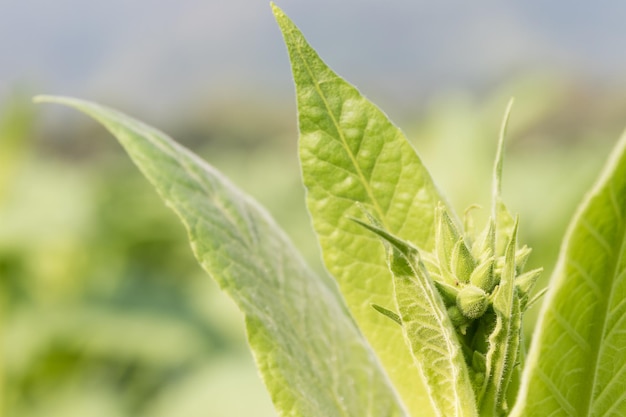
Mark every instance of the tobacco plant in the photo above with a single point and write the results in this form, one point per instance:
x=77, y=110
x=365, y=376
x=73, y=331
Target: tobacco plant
x=425, y=319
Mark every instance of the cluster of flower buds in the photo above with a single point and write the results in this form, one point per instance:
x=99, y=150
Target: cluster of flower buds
x=478, y=279
x=467, y=270
x=482, y=286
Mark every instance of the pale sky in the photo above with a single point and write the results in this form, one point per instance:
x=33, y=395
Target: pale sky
x=148, y=51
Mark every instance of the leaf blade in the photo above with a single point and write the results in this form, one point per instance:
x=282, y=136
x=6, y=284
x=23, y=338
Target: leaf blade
x=427, y=329
x=504, y=341
x=431, y=337
x=352, y=157
x=575, y=362
x=311, y=355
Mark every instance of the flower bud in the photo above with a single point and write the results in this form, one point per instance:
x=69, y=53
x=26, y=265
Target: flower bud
x=524, y=284
x=446, y=236
x=484, y=246
x=483, y=276
x=521, y=256
x=462, y=262
x=472, y=301
x=448, y=292
x=527, y=280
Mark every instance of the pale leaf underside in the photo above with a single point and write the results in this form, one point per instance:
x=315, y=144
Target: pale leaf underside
x=427, y=329
x=312, y=357
x=432, y=338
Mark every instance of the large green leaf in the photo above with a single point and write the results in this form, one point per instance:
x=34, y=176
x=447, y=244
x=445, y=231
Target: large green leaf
x=354, y=158
x=311, y=355
x=577, y=362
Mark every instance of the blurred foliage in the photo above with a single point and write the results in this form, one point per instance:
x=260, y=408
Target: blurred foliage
x=104, y=311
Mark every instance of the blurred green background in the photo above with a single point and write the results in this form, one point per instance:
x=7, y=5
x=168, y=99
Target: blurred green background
x=104, y=311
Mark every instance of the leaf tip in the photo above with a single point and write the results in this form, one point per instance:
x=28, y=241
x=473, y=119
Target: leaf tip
x=388, y=313
x=279, y=15
x=44, y=98
x=497, y=168
x=68, y=101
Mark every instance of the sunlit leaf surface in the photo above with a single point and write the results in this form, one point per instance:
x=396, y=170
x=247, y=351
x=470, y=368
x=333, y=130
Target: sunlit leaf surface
x=577, y=363
x=354, y=158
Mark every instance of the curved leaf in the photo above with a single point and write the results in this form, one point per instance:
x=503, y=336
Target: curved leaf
x=577, y=363
x=504, y=341
x=311, y=355
x=352, y=155
x=428, y=331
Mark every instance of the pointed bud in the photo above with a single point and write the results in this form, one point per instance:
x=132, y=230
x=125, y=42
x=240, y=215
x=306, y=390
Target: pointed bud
x=472, y=301
x=483, y=276
x=521, y=256
x=524, y=284
x=527, y=280
x=448, y=292
x=447, y=233
x=484, y=246
x=462, y=263
x=468, y=224
x=446, y=236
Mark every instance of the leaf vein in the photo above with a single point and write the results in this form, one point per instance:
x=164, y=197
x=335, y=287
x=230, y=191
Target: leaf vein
x=604, y=391
x=558, y=395
x=578, y=338
x=597, y=236
x=595, y=288
x=353, y=160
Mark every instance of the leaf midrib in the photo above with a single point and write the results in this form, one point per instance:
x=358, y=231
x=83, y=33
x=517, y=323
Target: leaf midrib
x=503, y=306
x=182, y=161
x=344, y=143
x=440, y=320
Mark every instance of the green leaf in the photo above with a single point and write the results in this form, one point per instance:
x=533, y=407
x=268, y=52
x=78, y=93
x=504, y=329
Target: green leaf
x=311, y=355
x=577, y=364
x=504, y=222
x=352, y=155
x=428, y=331
x=504, y=340
x=386, y=312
